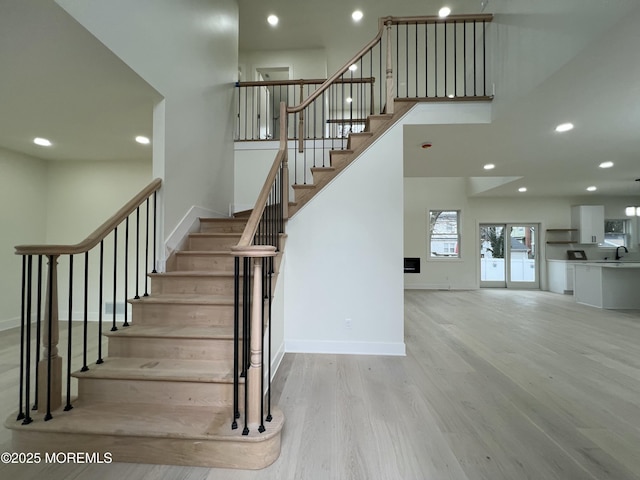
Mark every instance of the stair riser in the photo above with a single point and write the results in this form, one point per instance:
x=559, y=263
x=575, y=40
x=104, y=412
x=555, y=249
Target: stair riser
x=222, y=226
x=187, y=315
x=340, y=160
x=322, y=178
x=356, y=141
x=177, y=348
x=374, y=123
x=212, y=243
x=212, y=453
x=302, y=194
x=194, y=263
x=163, y=392
x=192, y=285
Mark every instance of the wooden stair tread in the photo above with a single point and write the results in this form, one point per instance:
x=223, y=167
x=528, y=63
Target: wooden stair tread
x=176, y=370
x=302, y=186
x=216, y=234
x=211, y=253
x=146, y=420
x=193, y=273
x=185, y=299
x=173, y=331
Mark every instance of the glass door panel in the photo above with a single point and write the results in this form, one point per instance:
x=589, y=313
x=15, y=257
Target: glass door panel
x=492, y=261
x=522, y=256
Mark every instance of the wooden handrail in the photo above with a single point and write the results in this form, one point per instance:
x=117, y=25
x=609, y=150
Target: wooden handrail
x=382, y=22
x=99, y=234
x=317, y=81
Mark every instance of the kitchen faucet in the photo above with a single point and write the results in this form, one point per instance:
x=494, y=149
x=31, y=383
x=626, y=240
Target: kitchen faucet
x=618, y=257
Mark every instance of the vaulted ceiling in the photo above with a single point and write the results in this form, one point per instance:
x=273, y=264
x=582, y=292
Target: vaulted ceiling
x=555, y=61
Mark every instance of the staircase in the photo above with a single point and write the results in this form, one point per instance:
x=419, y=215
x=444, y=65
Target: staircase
x=164, y=393
x=376, y=125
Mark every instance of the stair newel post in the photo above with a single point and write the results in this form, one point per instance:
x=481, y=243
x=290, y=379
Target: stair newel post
x=253, y=383
x=390, y=95
x=50, y=366
x=285, y=161
x=301, y=122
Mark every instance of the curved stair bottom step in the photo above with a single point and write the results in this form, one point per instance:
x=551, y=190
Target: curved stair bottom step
x=185, y=436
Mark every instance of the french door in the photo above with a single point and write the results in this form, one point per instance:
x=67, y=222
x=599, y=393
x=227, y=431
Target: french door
x=509, y=255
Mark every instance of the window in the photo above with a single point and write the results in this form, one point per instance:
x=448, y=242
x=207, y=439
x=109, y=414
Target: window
x=444, y=233
x=616, y=233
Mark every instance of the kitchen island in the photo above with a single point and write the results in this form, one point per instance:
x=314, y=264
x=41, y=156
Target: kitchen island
x=611, y=285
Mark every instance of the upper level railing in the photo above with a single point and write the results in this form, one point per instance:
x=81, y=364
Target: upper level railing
x=422, y=58
x=112, y=267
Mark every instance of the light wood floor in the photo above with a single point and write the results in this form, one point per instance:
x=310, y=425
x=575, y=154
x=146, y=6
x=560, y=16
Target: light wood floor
x=496, y=385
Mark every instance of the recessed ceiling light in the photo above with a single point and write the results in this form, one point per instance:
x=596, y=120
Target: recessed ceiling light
x=357, y=15
x=143, y=140
x=444, y=12
x=564, y=127
x=606, y=165
x=489, y=166
x=349, y=100
x=451, y=95
x=592, y=188
x=353, y=67
x=273, y=20
x=43, y=142
x=522, y=189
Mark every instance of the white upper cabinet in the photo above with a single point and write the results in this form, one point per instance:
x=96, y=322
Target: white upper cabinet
x=589, y=220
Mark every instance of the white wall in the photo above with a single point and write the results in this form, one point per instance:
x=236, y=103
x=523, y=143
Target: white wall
x=343, y=280
x=308, y=64
x=23, y=193
x=188, y=51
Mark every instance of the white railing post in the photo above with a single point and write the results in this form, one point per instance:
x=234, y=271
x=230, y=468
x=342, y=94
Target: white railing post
x=390, y=87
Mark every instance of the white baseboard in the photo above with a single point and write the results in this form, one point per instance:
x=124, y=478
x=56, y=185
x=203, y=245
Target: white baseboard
x=190, y=223
x=276, y=359
x=9, y=323
x=347, y=348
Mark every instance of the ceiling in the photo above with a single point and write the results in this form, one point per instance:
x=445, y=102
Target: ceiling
x=556, y=61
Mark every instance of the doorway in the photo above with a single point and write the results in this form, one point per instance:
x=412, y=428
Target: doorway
x=509, y=255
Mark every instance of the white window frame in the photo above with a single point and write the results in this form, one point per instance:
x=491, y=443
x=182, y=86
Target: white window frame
x=455, y=238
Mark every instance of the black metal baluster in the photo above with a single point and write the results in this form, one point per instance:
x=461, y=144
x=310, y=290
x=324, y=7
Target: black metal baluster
x=484, y=57
x=52, y=259
x=146, y=256
x=155, y=231
x=455, y=58
x=406, y=60
x=236, y=339
x=324, y=123
x=126, y=271
x=435, y=59
x=21, y=414
x=27, y=400
x=246, y=282
x=475, y=59
x=100, y=308
x=416, y=59
x=261, y=428
x=426, y=60
x=137, y=297
x=445, y=59
x=464, y=54
x=86, y=312
x=38, y=331
x=270, y=277
x=68, y=406
x=115, y=277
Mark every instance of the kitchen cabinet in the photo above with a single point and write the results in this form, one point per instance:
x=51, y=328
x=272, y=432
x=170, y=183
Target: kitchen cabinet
x=561, y=274
x=589, y=220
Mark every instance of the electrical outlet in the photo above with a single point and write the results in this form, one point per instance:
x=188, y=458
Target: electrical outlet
x=347, y=323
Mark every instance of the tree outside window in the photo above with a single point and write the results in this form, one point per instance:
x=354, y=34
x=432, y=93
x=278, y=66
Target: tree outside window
x=444, y=233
